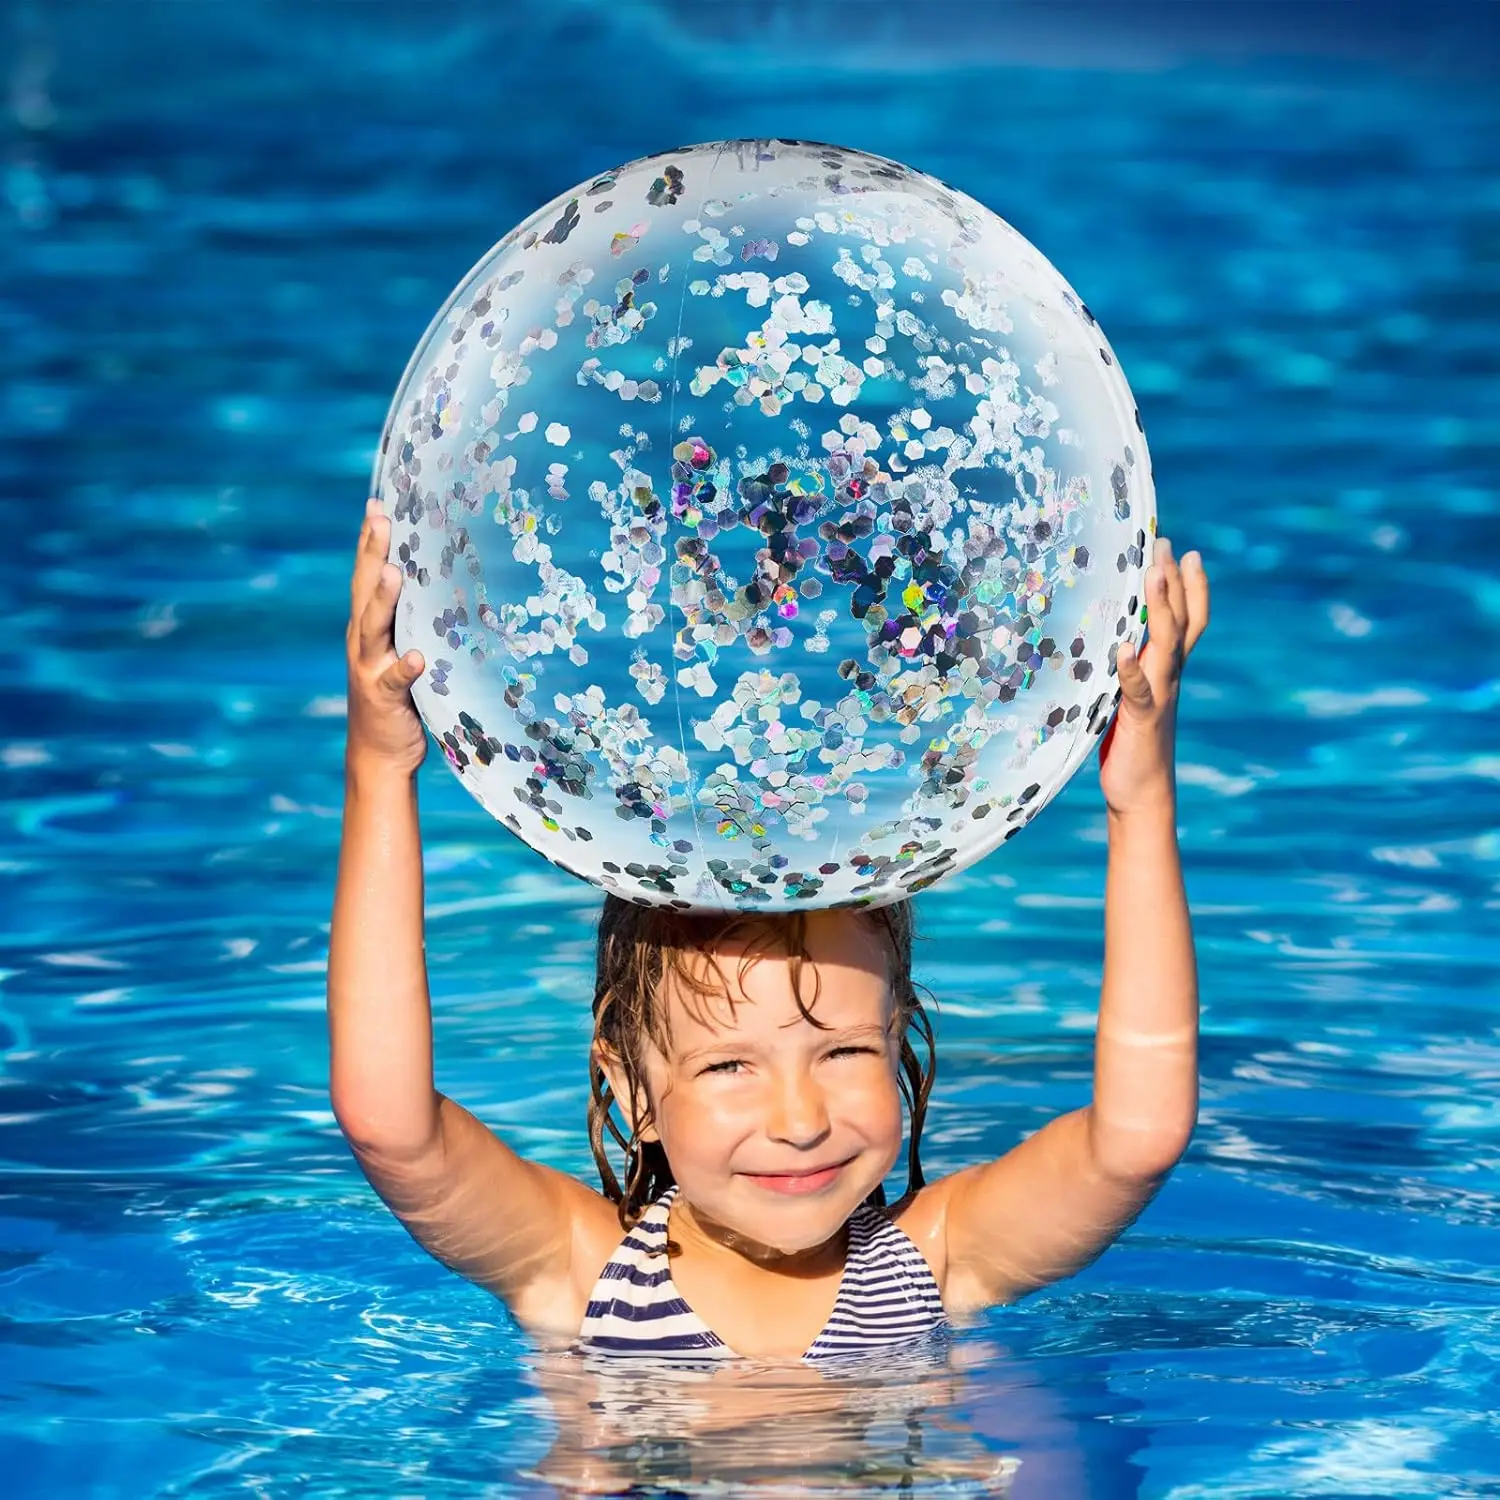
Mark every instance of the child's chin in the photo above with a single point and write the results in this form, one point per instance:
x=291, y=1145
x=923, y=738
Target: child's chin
x=794, y=1222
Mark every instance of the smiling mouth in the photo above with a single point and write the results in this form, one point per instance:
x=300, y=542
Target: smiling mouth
x=797, y=1184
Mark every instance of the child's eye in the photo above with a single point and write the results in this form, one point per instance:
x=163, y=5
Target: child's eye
x=852, y=1051
x=729, y=1065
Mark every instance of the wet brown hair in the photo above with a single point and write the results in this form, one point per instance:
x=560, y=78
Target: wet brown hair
x=641, y=946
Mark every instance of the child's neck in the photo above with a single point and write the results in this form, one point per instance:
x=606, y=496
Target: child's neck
x=698, y=1235
x=763, y=1302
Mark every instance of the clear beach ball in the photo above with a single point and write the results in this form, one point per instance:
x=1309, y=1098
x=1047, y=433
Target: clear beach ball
x=770, y=516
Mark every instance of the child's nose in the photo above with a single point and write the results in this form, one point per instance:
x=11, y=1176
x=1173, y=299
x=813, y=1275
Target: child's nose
x=800, y=1114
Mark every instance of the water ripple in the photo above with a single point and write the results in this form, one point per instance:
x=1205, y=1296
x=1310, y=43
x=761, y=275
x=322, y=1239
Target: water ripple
x=205, y=291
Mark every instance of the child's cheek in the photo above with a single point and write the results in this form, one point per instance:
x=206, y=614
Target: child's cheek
x=889, y=1108
x=703, y=1113
x=886, y=1108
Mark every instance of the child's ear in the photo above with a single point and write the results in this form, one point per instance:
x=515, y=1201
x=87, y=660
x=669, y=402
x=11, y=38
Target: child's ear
x=609, y=1062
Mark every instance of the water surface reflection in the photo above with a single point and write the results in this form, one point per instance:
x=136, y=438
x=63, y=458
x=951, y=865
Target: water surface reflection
x=946, y=1418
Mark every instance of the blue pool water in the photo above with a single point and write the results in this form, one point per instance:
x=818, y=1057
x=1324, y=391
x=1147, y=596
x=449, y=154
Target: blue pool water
x=224, y=227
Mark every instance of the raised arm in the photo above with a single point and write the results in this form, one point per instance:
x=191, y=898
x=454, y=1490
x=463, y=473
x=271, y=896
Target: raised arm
x=1054, y=1203
x=509, y=1224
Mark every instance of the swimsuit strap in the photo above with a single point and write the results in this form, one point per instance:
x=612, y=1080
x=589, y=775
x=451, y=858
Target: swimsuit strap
x=635, y=1309
x=887, y=1296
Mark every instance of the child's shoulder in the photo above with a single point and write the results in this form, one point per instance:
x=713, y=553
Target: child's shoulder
x=937, y=1219
x=596, y=1230
x=553, y=1297
x=922, y=1217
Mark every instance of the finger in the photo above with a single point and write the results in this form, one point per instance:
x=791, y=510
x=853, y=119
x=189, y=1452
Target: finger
x=377, y=619
x=1176, y=596
x=399, y=676
x=374, y=545
x=1135, y=686
x=1195, y=587
x=1162, y=624
x=364, y=531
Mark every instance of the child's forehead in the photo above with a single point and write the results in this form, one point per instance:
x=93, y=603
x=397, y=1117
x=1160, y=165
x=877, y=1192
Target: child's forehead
x=752, y=980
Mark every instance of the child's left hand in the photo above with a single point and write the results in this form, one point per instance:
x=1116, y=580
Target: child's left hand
x=1136, y=757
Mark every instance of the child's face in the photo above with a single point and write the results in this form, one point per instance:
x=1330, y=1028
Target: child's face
x=777, y=1128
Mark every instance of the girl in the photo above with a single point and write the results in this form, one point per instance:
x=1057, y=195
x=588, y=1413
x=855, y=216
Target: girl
x=757, y=1066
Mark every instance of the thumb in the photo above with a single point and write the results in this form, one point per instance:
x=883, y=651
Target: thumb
x=400, y=675
x=1135, y=686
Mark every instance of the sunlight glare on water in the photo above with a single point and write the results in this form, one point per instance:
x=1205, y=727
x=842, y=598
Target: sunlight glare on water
x=216, y=257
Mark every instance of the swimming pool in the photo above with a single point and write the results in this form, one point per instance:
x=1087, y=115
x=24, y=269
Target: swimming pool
x=222, y=239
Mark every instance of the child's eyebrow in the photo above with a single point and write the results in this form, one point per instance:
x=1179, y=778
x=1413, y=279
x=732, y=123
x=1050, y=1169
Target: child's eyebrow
x=729, y=1047
x=829, y=1036
x=855, y=1033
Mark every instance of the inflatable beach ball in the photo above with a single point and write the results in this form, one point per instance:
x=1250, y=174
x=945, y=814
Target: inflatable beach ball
x=770, y=516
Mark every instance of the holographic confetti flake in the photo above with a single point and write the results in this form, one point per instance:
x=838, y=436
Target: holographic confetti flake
x=837, y=610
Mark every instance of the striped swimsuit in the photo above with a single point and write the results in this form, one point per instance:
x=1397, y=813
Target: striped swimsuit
x=887, y=1297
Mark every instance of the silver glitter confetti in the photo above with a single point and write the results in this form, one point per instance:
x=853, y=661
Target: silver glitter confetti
x=836, y=611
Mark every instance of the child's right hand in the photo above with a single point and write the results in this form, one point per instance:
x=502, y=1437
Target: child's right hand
x=385, y=731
